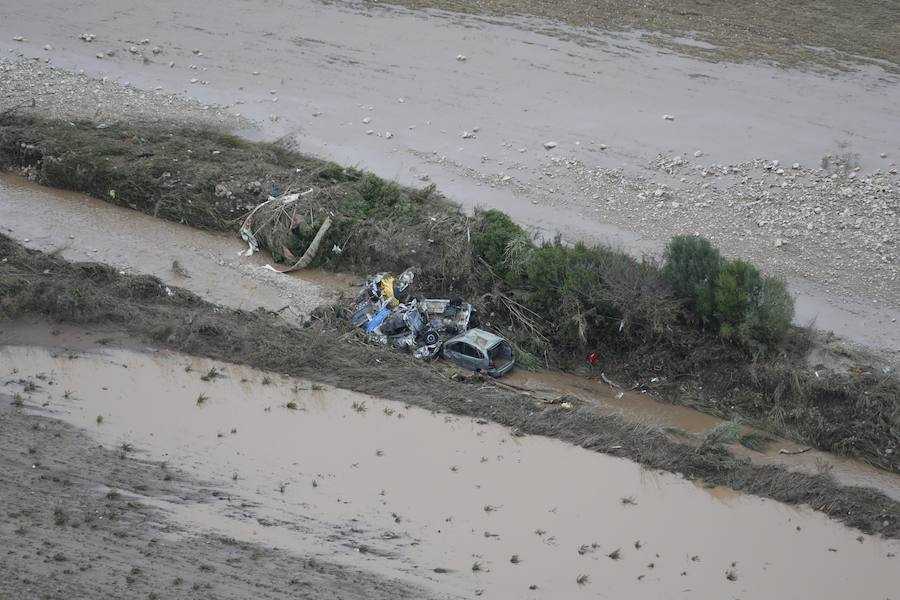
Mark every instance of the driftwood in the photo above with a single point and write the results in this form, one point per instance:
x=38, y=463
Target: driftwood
x=793, y=452
x=311, y=251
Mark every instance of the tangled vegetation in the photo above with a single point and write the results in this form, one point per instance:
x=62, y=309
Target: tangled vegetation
x=710, y=332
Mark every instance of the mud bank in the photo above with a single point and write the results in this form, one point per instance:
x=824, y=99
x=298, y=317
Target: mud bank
x=454, y=505
x=139, y=308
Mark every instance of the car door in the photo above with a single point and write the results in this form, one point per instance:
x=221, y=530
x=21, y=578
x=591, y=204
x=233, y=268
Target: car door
x=464, y=355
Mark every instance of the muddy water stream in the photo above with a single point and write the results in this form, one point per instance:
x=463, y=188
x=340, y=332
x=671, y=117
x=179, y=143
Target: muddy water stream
x=690, y=425
x=403, y=492
x=87, y=229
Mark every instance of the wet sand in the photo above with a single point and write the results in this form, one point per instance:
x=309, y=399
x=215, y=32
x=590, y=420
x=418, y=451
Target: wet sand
x=400, y=491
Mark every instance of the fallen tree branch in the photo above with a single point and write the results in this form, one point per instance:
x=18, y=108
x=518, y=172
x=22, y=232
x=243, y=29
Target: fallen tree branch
x=311, y=251
x=793, y=452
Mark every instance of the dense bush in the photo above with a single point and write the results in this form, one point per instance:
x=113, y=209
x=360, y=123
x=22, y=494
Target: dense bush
x=691, y=268
x=737, y=288
x=595, y=295
x=731, y=296
x=493, y=234
x=767, y=320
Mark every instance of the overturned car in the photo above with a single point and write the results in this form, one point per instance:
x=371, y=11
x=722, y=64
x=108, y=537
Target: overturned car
x=390, y=315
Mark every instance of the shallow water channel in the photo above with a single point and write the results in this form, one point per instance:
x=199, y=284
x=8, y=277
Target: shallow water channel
x=403, y=492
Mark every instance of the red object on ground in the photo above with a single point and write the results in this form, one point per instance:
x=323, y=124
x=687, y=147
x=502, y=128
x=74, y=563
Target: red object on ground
x=593, y=357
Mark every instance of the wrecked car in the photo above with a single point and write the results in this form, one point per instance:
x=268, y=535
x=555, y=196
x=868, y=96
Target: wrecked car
x=480, y=351
x=392, y=316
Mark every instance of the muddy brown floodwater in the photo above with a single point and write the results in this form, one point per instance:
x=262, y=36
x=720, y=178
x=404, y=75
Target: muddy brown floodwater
x=690, y=425
x=86, y=229
x=438, y=500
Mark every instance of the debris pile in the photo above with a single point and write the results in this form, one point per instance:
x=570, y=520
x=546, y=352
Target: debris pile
x=390, y=315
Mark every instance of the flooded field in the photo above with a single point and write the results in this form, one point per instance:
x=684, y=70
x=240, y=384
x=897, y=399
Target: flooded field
x=457, y=505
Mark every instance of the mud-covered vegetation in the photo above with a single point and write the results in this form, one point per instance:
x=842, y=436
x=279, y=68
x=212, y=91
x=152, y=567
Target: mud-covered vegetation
x=696, y=329
x=34, y=284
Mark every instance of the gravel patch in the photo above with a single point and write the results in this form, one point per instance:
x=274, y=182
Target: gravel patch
x=35, y=86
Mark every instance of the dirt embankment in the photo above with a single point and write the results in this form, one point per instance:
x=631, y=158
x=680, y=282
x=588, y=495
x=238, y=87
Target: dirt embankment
x=79, y=523
x=42, y=285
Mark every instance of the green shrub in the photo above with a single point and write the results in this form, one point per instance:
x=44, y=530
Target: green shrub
x=493, y=235
x=691, y=267
x=767, y=321
x=737, y=290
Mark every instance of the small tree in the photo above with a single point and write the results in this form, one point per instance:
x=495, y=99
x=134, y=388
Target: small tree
x=492, y=237
x=737, y=290
x=766, y=322
x=691, y=267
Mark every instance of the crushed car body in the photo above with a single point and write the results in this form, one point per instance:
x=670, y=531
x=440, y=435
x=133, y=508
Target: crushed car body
x=481, y=351
x=390, y=315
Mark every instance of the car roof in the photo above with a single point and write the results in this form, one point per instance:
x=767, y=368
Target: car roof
x=478, y=338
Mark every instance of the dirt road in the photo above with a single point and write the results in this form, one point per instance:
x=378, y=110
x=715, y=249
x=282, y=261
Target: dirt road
x=619, y=172
x=334, y=476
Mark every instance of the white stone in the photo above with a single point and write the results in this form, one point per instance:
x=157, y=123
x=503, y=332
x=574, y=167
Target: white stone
x=388, y=134
x=697, y=154
x=48, y=47
x=461, y=57
x=795, y=166
x=367, y=120
x=668, y=117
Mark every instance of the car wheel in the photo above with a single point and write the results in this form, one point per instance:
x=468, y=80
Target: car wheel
x=431, y=338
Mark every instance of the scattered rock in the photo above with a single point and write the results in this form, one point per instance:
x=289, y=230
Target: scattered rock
x=795, y=166
x=156, y=50
x=87, y=37
x=883, y=155
x=19, y=38
x=697, y=154
x=48, y=47
x=669, y=117
x=550, y=145
x=388, y=135
x=461, y=57
x=468, y=135
x=133, y=50
x=603, y=146
x=253, y=187
x=366, y=121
